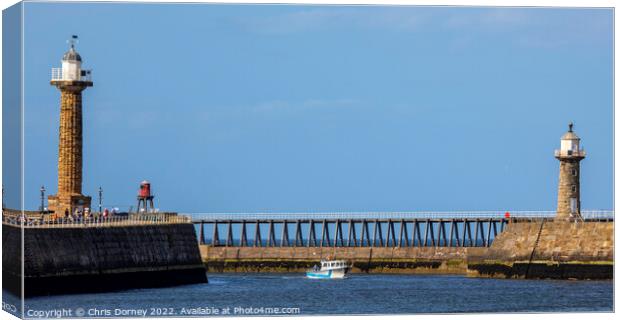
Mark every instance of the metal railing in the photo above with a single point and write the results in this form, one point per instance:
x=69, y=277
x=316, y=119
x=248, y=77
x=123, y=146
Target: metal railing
x=97, y=220
x=586, y=214
x=570, y=153
x=57, y=74
x=45, y=221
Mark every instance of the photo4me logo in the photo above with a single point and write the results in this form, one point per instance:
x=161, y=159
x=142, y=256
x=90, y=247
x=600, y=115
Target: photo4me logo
x=265, y=310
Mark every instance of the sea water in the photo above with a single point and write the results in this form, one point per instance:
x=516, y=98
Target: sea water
x=293, y=294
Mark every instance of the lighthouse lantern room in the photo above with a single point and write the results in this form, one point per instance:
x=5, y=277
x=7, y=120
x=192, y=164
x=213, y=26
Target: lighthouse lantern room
x=569, y=143
x=71, y=69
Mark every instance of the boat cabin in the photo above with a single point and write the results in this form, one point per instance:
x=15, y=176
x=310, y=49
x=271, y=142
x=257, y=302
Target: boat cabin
x=334, y=264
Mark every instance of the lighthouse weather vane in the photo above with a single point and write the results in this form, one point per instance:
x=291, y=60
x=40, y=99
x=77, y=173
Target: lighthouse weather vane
x=73, y=41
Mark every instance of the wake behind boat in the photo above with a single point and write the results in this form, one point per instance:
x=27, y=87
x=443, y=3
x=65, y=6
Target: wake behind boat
x=330, y=269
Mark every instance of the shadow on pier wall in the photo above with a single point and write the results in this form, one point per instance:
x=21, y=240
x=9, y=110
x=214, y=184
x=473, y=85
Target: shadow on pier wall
x=94, y=259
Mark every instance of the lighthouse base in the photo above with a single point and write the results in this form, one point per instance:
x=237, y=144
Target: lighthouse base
x=61, y=204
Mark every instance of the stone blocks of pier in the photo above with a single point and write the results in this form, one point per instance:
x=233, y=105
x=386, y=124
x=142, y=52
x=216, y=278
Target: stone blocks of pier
x=88, y=259
x=559, y=240
x=363, y=259
x=318, y=253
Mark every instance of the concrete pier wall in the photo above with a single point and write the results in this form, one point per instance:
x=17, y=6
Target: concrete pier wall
x=209, y=253
x=86, y=259
x=364, y=259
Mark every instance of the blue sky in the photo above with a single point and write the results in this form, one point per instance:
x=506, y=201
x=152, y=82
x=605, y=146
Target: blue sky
x=323, y=108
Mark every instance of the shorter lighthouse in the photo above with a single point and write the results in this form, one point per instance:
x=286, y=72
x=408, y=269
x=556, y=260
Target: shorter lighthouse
x=569, y=155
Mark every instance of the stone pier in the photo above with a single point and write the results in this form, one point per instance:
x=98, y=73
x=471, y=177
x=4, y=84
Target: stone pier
x=364, y=259
x=549, y=249
x=76, y=258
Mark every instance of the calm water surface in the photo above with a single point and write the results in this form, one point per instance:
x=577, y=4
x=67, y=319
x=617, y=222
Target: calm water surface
x=359, y=294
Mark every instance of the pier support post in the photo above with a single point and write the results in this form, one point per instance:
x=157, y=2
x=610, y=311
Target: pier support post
x=445, y=238
x=464, y=234
x=284, y=239
x=341, y=233
x=365, y=233
x=257, y=238
x=403, y=233
x=389, y=228
x=271, y=238
x=298, y=236
x=488, y=242
x=426, y=229
x=229, y=235
x=202, y=232
x=457, y=238
x=476, y=223
x=432, y=233
x=451, y=233
x=337, y=223
x=471, y=242
x=442, y=233
x=324, y=233
x=244, y=236
x=380, y=234
x=349, y=236
x=311, y=234
x=374, y=234
x=416, y=233
x=400, y=235
x=215, y=239
x=482, y=235
x=391, y=232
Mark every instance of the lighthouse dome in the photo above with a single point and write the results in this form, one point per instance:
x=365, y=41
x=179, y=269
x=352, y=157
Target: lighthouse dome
x=71, y=55
x=570, y=136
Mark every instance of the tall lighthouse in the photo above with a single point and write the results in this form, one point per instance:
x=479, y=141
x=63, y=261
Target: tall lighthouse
x=71, y=80
x=569, y=154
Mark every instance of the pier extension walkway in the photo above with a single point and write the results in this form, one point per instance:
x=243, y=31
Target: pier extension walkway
x=365, y=229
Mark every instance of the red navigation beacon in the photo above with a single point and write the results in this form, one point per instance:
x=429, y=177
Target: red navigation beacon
x=145, y=198
x=145, y=189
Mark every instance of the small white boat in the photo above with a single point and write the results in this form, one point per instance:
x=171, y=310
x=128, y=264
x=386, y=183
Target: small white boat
x=330, y=269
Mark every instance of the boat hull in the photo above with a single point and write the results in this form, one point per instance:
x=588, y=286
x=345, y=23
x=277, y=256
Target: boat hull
x=327, y=274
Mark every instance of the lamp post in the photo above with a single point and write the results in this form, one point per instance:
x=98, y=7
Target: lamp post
x=100, y=197
x=42, y=198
